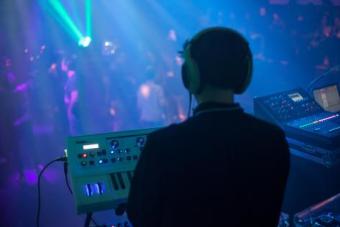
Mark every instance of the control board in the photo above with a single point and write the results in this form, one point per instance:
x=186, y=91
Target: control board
x=101, y=167
x=301, y=117
x=325, y=213
x=286, y=106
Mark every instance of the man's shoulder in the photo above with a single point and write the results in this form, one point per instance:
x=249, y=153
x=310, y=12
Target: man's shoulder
x=167, y=131
x=263, y=125
x=249, y=120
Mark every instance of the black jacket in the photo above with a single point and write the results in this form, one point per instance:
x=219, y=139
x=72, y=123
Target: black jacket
x=221, y=167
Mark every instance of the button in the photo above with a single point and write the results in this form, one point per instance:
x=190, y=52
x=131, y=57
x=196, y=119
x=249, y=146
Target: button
x=91, y=162
x=105, y=160
x=114, y=144
x=113, y=160
x=128, y=158
x=83, y=163
x=103, y=152
x=92, y=154
x=140, y=141
x=84, y=155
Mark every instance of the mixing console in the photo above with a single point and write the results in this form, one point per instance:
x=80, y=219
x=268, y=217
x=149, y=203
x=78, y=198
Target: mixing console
x=288, y=105
x=301, y=117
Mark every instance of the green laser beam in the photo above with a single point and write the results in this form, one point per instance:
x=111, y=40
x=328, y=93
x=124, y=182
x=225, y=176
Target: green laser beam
x=58, y=7
x=88, y=8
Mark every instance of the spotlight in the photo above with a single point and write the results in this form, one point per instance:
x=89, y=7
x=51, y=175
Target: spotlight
x=85, y=41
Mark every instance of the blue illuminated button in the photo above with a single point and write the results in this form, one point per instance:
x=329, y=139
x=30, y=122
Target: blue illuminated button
x=94, y=189
x=98, y=188
x=140, y=141
x=88, y=190
x=114, y=144
x=83, y=163
x=100, y=161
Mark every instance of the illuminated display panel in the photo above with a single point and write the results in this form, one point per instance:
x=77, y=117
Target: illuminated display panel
x=90, y=146
x=328, y=98
x=296, y=97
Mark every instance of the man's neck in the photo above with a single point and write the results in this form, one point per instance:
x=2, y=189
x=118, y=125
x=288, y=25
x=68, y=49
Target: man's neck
x=215, y=95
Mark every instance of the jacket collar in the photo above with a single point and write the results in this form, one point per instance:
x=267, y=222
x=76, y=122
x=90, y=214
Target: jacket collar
x=208, y=107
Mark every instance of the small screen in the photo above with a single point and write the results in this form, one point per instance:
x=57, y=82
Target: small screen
x=90, y=146
x=296, y=97
x=328, y=98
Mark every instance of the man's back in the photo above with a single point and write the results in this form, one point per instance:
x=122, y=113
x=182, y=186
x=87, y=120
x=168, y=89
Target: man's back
x=222, y=167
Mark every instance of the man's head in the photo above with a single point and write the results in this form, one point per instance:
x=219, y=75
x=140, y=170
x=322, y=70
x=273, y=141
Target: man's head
x=217, y=58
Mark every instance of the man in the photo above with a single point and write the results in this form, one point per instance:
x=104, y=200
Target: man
x=151, y=102
x=221, y=167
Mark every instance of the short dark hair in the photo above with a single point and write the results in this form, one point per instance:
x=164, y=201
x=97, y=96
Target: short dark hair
x=223, y=57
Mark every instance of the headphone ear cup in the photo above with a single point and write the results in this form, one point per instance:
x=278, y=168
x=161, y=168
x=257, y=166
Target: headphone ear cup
x=190, y=73
x=248, y=75
x=195, y=78
x=185, y=76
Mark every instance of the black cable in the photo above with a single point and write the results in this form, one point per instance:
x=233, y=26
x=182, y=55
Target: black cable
x=88, y=219
x=94, y=222
x=66, y=177
x=62, y=159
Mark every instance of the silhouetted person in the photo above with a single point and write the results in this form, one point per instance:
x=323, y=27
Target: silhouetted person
x=221, y=167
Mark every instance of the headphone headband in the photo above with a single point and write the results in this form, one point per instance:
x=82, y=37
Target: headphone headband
x=193, y=79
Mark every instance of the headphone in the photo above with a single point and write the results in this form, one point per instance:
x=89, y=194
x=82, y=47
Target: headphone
x=191, y=76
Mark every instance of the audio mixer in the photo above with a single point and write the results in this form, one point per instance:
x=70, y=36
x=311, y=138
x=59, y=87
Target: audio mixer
x=101, y=167
x=301, y=117
x=313, y=132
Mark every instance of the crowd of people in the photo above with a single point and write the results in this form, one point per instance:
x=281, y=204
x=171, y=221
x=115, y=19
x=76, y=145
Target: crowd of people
x=48, y=94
